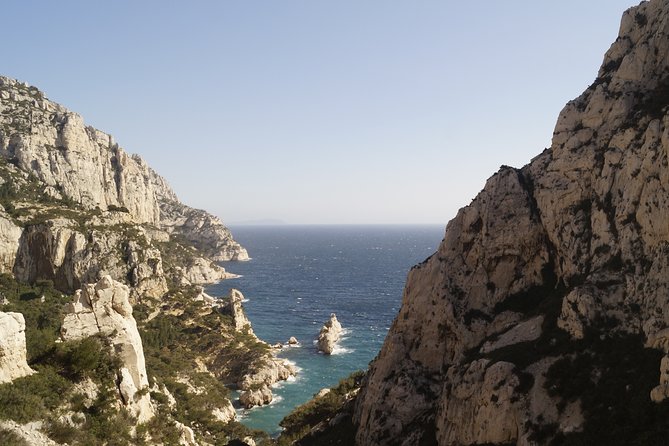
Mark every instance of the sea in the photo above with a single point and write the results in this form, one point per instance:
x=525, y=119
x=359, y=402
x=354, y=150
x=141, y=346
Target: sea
x=299, y=275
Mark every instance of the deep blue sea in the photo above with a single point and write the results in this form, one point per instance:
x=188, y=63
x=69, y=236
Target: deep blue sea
x=298, y=275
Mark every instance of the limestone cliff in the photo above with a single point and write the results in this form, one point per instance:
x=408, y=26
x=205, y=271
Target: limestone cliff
x=529, y=322
x=140, y=353
x=85, y=165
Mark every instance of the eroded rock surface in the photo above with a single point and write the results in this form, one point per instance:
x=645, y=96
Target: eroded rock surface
x=13, y=362
x=573, y=247
x=329, y=335
x=104, y=309
x=77, y=162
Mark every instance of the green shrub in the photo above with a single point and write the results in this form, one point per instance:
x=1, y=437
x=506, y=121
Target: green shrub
x=32, y=397
x=303, y=418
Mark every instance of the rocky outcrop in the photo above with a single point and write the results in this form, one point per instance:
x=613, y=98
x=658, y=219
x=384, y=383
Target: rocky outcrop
x=236, y=309
x=256, y=386
x=546, y=264
x=79, y=163
x=10, y=234
x=32, y=434
x=329, y=335
x=225, y=414
x=203, y=230
x=61, y=251
x=84, y=163
x=104, y=309
x=256, y=397
x=13, y=347
x=201, y=271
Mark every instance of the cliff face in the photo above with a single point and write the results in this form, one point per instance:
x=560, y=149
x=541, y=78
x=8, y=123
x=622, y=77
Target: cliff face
x=86, y=166
x=559, y=263
x=139, y=352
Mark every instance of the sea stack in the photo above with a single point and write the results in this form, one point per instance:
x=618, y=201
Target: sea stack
x=329, y=335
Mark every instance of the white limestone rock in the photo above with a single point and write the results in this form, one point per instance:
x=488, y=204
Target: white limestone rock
x=79, y=162
x=58, y=250
x=584, y=223
x=187, y=437
x=9, y=242
x=256, y=397
x=256, y=386
x=32, y=433
x=526, y=331
x=242, y=323
x=104, y=309
x=225, y=414
x=329, y=335
x=13, y=362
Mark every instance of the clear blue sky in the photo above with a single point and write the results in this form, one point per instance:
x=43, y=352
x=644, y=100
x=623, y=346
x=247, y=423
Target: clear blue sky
x=314, y=111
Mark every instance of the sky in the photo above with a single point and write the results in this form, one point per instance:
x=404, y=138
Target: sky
x=315, y=111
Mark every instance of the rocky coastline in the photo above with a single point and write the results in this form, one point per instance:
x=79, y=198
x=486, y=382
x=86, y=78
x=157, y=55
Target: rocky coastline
x=102, y=271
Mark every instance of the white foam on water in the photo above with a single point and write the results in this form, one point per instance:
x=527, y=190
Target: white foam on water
x=339, y=350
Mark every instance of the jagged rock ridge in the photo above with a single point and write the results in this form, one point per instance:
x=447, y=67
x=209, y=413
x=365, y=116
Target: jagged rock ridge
x=552, y=269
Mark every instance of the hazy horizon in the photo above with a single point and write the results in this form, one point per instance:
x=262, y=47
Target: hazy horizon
x=317, y=112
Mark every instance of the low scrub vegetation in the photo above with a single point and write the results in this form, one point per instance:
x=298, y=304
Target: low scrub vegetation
x=300, y=422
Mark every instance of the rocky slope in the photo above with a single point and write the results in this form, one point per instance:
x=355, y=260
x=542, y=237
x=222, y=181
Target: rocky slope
x=87, y=166
x=544, y=314
x=105, y=266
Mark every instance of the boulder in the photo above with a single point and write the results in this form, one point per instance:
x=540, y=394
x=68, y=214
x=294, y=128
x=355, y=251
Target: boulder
x=256, y=397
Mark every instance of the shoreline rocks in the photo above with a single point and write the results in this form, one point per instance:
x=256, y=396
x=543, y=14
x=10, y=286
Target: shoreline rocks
x=256, y=387
x=329, y=335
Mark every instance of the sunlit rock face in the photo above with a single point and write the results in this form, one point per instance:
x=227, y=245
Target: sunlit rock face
x=13, y=347
x=87, y=166
x=329, y=335
x=572, y=248
x=104, y=309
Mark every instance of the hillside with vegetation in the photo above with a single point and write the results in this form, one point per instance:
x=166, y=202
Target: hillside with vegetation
x=106, y=333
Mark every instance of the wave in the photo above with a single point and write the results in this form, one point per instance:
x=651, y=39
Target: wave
x=339, y=350
x=282, y=384
x=244, y=413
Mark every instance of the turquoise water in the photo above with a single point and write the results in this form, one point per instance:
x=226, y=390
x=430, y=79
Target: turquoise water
x=298, y=275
